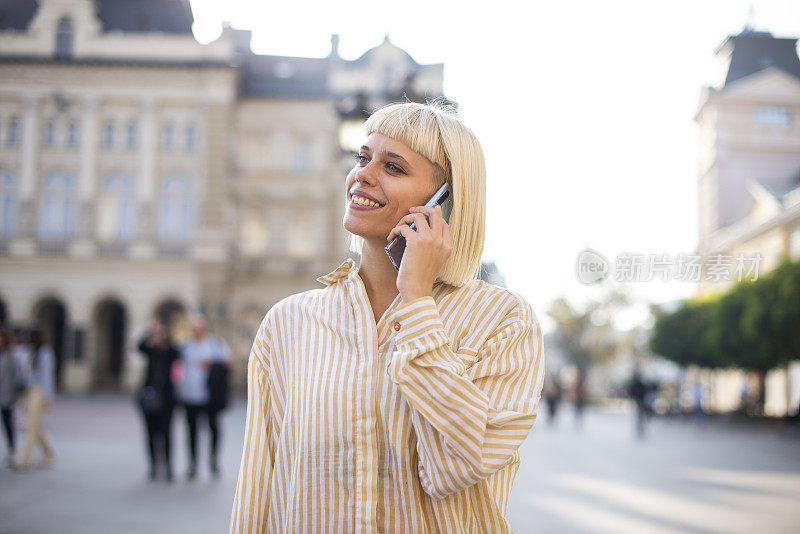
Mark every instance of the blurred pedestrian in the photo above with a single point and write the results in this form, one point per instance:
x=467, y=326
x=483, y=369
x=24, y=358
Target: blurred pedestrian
x=579, y=397
x=637, y=390
x=9, y=390
x=198, y=354
x=552, y=395
x=21, y=348
x=156, y=397
x=39, y=397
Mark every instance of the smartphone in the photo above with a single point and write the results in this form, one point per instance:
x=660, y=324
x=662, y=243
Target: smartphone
x=443, y=197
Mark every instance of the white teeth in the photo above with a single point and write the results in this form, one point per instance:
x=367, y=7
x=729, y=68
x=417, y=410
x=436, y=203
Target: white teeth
x=364, y=201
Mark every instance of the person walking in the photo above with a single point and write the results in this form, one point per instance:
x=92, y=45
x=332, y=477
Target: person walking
x=637, y=390
x=198, y=354
x=156, y=397
x=9, y=383
x=552, y=394
x=40, y=396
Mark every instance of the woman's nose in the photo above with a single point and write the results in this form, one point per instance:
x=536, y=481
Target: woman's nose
x=365, y=174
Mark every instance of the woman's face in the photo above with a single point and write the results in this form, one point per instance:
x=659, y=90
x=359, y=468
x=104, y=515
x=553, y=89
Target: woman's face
x=392, y=175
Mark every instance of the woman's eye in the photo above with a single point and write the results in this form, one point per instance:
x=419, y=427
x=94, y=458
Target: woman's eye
x=394, y=168
x=361, y=158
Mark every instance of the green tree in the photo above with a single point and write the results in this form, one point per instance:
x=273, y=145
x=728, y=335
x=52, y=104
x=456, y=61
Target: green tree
x=683, y=335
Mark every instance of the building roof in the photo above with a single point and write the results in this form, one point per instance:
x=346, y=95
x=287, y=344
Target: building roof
x=16, y=14
x=165, y=16
x=284, y=76
x=752, y=52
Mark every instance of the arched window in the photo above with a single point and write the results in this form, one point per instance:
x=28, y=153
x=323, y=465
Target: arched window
x=176, y=212
x=131, y=134
x=108, y=134
x=117, y=209
x=167, y=136
x=191, y=137
x=73, y=133
x=57, y=207
x=14, y=133
x=8, y=204
x=64, y=36
x=49, y=133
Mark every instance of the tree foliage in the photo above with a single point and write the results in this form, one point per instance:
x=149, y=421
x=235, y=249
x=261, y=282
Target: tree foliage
x=753, y=326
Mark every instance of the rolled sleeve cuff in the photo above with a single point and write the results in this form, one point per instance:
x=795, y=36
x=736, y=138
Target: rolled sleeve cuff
x=420, y=337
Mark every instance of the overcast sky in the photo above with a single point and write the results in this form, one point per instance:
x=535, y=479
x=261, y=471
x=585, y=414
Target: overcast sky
x=584, y=109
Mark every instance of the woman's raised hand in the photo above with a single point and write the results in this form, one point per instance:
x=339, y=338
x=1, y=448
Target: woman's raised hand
x=427, y=249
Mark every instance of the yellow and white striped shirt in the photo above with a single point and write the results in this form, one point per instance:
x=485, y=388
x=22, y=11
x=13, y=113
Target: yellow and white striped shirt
x=411, y=425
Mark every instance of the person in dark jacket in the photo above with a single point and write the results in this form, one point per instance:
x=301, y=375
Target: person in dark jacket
x=9, y=378
x=157, y=397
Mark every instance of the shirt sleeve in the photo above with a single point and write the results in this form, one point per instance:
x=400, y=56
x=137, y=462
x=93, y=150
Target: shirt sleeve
x=469, y=423
x=250, y=504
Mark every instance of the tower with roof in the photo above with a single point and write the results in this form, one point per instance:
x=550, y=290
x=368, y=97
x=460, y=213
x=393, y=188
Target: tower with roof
x=749, y=153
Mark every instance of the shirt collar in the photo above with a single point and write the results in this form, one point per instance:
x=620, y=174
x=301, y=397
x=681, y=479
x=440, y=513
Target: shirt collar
x=345, y=270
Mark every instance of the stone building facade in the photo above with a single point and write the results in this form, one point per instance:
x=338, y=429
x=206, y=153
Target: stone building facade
x=143, y=174
x=749, y=181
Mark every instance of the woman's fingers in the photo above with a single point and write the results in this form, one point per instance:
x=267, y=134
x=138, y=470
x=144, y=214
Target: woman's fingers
x=434, y=215
x=416, y=218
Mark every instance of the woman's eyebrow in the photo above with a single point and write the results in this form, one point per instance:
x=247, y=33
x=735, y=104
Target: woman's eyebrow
x=398, y=156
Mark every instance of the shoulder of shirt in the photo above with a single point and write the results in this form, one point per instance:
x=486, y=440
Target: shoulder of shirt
x=285, y=307
x=506, y=303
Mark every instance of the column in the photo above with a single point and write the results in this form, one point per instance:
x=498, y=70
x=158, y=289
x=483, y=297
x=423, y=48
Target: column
x=87, y=178
x=146, y=181
x=28, y=176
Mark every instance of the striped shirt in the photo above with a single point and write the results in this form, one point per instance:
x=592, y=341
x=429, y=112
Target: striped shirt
x=412, y=425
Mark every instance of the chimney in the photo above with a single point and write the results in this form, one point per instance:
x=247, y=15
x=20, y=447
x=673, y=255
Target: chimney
x=334, y=45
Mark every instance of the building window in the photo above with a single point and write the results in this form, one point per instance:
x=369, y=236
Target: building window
x=176, y=217
x=131, y=135
x=254, y=234
x=191, y=137
x=57, y=208
x=108, y=134
x=117, y=209
x=168, y=136
x=73, y=133
x=8, y=204
x=302, y=156
x=49, y=133
x=64, y=37
x=14, y=131
x=772, y=117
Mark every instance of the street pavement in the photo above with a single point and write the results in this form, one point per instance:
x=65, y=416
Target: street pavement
x=685, y=477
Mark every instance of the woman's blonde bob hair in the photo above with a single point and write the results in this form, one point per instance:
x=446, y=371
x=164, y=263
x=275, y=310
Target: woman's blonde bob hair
x=435, y=132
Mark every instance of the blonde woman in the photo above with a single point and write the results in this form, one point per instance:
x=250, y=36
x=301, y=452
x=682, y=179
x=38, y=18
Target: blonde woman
x=394, y=400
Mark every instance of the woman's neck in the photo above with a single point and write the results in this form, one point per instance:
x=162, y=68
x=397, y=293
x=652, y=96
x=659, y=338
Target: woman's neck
x=379, y=277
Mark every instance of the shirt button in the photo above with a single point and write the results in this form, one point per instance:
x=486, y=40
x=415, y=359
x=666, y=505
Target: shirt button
x=396, y=326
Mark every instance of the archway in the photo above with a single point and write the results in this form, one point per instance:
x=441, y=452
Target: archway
x=110, y=326
x=173, y=314
x=50, y=317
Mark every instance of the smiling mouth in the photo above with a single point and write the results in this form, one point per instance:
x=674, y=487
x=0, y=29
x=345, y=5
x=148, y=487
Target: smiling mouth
x=361, y=201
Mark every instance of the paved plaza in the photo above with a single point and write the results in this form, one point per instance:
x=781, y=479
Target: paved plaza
x=707, y=478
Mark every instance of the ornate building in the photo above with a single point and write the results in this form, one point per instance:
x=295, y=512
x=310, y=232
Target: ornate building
x=749, y=178
x=144, y=174
x=749, y=175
